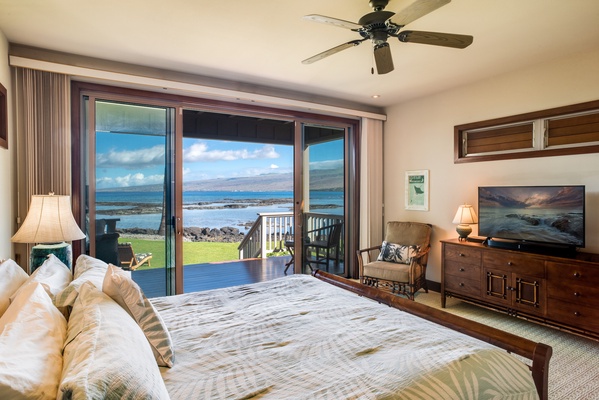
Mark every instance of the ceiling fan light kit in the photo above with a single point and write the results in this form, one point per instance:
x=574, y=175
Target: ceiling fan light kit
x=377, y=27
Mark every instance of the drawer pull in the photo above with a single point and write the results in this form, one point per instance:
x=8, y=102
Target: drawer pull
x=461, y=254
x=576, y=294
x=509, y=263
x=576, y=313
x=576, y=274
x=461, y=269
x=461, y=284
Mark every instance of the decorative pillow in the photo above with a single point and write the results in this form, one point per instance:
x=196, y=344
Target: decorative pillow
x=106, y=355
x=53, y=274
x=87, y=269
x=129, y=295
x=397, y=253
x=32, y=333
x=11, y=278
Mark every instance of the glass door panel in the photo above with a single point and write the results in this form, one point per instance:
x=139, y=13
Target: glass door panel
x=323, y=197
x=130, y=199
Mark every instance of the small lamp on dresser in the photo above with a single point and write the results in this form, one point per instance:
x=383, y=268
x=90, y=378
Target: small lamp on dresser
x=464, y=217
x=49, y=224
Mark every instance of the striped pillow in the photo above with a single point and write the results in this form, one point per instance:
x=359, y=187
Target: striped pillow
x=128, y=294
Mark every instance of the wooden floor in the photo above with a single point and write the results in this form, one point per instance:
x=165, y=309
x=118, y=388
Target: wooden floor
x=198, y=277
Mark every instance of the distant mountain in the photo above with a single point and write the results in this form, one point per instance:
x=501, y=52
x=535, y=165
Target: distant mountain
x=324, y=179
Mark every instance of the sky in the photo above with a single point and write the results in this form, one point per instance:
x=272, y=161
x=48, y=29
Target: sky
x=124, y=160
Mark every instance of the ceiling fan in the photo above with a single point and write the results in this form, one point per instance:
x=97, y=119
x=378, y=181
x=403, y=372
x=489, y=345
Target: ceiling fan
x=378, y=27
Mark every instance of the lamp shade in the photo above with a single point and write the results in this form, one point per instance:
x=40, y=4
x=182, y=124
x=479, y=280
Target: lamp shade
x=49, y=220
x=465, y=215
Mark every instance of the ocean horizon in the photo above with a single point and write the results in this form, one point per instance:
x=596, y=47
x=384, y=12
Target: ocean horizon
x=332, y=202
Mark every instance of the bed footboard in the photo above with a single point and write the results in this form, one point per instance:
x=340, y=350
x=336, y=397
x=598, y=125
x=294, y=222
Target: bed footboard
x=538, y=353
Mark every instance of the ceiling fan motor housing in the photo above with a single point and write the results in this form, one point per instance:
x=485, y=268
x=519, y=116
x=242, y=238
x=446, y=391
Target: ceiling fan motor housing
x=378, y=5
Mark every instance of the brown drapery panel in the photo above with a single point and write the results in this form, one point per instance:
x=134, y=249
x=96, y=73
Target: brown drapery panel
x=43, y=138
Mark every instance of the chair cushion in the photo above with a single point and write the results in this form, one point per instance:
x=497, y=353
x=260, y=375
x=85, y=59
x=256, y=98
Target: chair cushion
x=397, y=253
x=388, y=271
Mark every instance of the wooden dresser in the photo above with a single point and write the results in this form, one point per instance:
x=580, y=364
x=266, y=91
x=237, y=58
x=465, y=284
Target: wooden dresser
x=561, y=292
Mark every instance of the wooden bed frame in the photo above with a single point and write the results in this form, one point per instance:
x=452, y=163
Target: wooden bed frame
x=538, y=353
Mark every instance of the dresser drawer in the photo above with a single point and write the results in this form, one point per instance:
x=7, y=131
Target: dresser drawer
x=463, y=254
x=467, y=287
x=517, y=263
x=576, y=315
x=462, y=271
x=574, y=274
x=573, y=292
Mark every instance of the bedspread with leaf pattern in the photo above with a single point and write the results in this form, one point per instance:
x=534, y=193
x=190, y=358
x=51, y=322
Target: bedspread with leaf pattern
x=300, y=338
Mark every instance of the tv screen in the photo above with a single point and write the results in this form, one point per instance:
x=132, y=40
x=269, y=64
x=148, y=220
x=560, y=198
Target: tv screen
x=543, y=214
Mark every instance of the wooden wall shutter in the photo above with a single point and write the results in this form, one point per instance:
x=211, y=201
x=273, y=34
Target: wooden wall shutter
x=572, y=130
x=516, y=137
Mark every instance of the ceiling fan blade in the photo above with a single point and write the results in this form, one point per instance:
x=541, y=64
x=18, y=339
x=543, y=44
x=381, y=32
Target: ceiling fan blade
x=383, y=59
x=436, y=39
x=416, y=10
x=332, y=51
x=332, y=21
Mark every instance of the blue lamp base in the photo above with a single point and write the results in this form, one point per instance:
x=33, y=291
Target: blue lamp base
x=40, y=252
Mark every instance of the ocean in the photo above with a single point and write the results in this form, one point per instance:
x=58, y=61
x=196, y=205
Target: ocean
x=331, y=202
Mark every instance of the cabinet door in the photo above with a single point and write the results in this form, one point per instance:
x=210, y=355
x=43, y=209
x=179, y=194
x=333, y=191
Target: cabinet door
x=529, y=294
x=496, y=286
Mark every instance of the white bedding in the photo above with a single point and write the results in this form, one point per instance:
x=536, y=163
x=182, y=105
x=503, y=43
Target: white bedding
x=300, y=338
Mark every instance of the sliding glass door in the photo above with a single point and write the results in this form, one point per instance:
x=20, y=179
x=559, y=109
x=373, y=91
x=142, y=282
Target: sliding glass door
x=129, y=196
x=322, y=197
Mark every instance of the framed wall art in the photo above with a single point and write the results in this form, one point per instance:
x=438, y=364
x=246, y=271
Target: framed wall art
x=3, y=118
x=417, y=190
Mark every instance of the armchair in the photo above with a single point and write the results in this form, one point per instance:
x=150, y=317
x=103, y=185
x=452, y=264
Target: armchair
x=399, y=263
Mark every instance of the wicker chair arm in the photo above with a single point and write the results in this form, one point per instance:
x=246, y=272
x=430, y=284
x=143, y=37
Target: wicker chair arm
x=359, y=254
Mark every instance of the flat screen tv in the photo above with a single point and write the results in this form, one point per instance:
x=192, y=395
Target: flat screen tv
x=544, y=215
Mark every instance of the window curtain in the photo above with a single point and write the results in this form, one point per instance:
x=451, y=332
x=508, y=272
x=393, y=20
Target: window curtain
x=43, y=138
x=371, y=183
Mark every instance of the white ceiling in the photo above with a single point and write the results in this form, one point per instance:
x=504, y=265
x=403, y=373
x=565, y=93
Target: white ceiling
x=263, y=42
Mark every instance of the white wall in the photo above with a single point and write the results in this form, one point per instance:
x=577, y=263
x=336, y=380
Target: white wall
x=6, y=162
x=419, y=135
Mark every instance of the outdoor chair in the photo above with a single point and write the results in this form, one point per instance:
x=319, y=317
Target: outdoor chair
x=129, y=260
x=325, y=245
x=399, y=263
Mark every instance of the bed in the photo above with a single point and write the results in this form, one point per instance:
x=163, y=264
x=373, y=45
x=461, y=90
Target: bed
x=95, y=335
x=304, y=338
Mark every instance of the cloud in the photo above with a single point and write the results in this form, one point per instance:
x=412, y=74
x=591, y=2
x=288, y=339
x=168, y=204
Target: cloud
x=329, y=164
x=199, y=152
x=132, y=159
x=274, y=166
x=136, y=179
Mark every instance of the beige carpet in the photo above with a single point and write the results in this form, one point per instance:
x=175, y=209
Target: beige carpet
x=574, y=366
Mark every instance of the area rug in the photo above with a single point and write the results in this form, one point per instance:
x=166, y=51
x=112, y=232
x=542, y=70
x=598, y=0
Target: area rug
x=574, y=366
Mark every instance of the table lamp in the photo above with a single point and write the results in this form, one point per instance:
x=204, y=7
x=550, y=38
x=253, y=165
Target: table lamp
x=49, y=223
x=464, y=217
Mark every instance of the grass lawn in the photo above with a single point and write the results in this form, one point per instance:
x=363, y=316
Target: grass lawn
x=193, y=252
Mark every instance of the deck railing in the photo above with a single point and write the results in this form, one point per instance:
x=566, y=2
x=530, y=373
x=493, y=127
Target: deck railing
x=270, y=231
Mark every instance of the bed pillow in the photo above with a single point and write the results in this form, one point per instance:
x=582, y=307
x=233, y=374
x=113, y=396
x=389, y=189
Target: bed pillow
x=129, y=295
x=52, y=274
x=86, y=264
x=106, y=354
x=11, y=278
x=87, y=269
x=397, y=253
x=32, y=333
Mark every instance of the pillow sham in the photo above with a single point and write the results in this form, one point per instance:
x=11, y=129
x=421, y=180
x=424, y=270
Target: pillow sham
x=52, y=274
x=397, y=253
x=106, y=355
x=129, y=295
x=32, y=333
x=11, y=278
x=86, y=269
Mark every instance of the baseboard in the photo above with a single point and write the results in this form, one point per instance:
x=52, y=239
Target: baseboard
x=434, y=286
